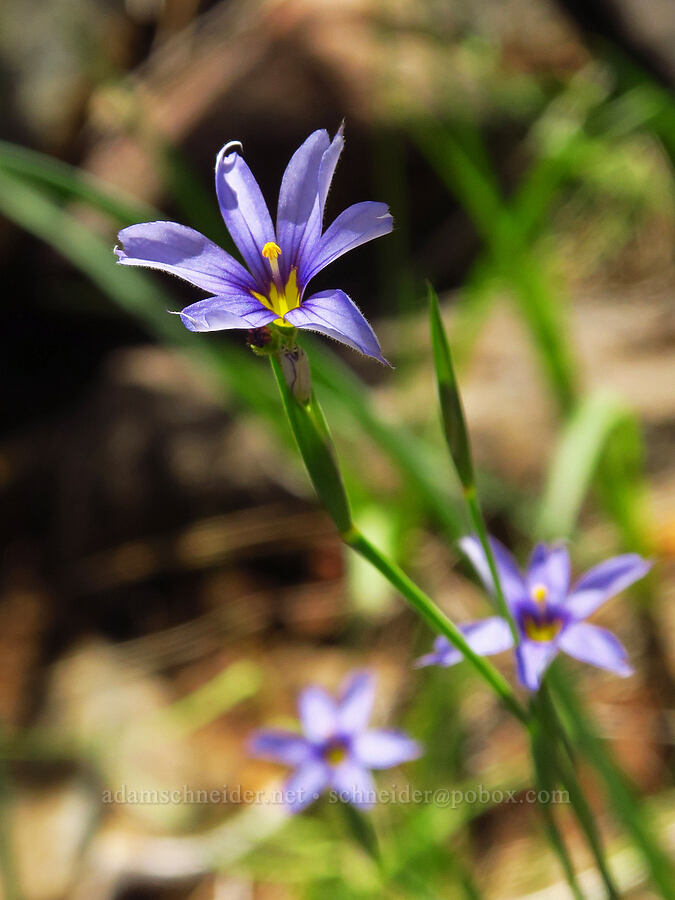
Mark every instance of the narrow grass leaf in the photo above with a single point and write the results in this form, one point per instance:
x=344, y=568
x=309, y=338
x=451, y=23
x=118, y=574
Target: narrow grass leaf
x=73, y=183
x=575, y=461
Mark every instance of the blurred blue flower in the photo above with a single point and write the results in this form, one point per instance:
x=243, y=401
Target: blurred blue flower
x=280, y=262
x=336, y=749
x=549, y=615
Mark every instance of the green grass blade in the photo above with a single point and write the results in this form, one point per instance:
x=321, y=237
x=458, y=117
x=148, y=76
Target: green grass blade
x=509, y=252
x=620, y=795
x=73, y=183
x=575, y=461
x=546, y=782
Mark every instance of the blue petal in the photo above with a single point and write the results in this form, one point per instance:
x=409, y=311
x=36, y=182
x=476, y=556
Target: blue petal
x=487, y=637
x=281, y=746
x=183, y=252
x=604, y=581
x=356, y=703
x=244, y=211
x=228, y=311
x=510, y=578
x=358, y=224
x=596, y=646
x=354, y=784
x=550, y=567
x=305, y=784
x=302, y=197
x=318, y=714
x=333, y=313
x=533, y=658
x=384, y=749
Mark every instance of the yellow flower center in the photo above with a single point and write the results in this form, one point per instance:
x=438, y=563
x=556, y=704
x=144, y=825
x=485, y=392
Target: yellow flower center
x=335, y=755
x=541, y=631
x=280, y=298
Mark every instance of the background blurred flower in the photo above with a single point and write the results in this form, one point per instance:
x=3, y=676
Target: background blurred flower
x=550, y=617
x=336, y=749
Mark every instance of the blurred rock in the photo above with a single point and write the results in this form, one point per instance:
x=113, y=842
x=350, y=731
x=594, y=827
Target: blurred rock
x=50, y=825
x=112, y=710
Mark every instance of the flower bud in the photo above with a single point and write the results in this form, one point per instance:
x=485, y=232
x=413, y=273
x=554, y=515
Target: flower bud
x=452, y=414
x=295, y=366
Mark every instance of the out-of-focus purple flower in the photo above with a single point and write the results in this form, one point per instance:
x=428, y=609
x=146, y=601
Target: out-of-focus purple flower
x=550, y=615
x=280, y=262
x=336, y=749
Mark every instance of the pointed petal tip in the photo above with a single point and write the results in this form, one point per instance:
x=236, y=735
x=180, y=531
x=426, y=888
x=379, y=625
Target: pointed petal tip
x=387, y=218
x=190, y=323
x=226, y=150
x=423, y=662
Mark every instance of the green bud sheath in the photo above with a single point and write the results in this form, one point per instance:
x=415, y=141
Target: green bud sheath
x=452, y=412
x=316, y=447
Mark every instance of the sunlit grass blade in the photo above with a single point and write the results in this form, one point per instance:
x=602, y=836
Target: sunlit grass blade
x=509, y=252
x=239, y=681
x=73, y=183
x=575, y=461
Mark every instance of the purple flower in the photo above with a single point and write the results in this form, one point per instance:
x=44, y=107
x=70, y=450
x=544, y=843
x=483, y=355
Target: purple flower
x=280, y=263
x=550, y=616
x=336, y=749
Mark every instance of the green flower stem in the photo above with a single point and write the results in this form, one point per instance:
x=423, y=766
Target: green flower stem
x=546, y=782
x=478, y=522
x=435, y=617
x=554, y=738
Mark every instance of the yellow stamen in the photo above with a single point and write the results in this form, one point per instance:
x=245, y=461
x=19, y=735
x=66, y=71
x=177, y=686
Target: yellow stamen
x=271, y=252
x=281, y=301
x=541, y=631
x=539, y=593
